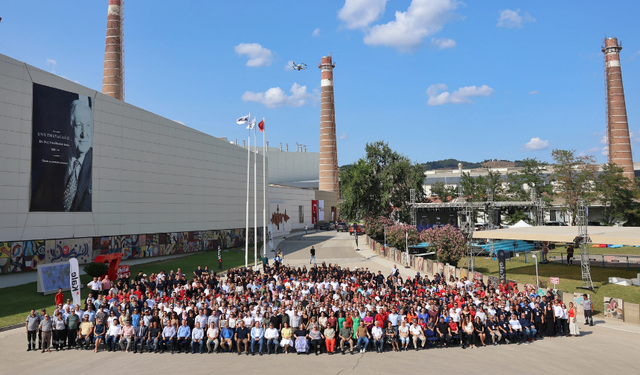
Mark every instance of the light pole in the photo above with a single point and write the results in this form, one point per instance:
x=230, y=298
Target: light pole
x=385, y=235
x=537, y=282
x=406, y=246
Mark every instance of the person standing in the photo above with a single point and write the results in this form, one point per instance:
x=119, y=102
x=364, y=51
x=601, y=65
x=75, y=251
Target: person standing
x=219, y=258
x=32, y=329
x=306, y=229
x=570, y=255
x=59, y=331
x=73, y=321
x=59, y=297
x=313, y=255
x=587, y=305
x=46, y=326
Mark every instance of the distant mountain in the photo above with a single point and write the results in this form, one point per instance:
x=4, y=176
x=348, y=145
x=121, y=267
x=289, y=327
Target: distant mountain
x=453, y=164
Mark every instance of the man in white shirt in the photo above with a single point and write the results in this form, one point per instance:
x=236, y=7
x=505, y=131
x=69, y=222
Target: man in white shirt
x=516, y=328
x=271, y=335
x=558, y=312
x=96, y=287
x=378, y=342
x=196, y=338
x=213, y=334
x=417, y=334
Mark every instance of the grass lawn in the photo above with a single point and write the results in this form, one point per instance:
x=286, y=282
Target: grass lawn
x=570, y=277
x=625, y=250
x=19, y=300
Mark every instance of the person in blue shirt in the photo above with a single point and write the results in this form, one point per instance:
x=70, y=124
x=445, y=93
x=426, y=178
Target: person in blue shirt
x=527, y=328
x=196, y=338
x=135, y=319
x=227, y=338
x=184, y=333
x=257, y=336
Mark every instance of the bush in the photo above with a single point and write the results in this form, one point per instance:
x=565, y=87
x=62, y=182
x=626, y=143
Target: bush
x=448, y=243
x=96, y=269
x=396, y=236
x=374, y=226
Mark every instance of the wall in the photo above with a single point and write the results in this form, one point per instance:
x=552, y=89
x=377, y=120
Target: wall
x=292, y=166
x=151, y=176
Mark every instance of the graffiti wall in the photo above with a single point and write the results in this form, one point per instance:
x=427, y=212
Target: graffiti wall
x=27, y=255
x=613, y=308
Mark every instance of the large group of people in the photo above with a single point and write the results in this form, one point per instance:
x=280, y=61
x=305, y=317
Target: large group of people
x=322, y=309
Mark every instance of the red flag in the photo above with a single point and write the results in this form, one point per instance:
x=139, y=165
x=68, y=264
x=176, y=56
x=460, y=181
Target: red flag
x=261, y=125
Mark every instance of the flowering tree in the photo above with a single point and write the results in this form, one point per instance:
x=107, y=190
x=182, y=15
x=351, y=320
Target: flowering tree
x=448, y=243
x=375, y=226
x=396, y=235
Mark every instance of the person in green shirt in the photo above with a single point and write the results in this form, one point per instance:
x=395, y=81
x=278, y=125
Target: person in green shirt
x=341, y=320
x=355, y=319
x=73, y=321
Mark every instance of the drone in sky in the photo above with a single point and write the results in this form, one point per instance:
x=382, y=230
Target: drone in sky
x=298, y=67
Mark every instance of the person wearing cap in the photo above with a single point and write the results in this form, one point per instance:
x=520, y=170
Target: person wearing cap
x=197, y=335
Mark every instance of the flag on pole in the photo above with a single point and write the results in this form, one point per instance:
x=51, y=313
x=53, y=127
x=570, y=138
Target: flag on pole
x=243, y=120
x=261, y=125
x=252, y=124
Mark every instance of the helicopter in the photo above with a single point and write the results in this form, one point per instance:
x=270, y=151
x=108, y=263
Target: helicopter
x=298, y=67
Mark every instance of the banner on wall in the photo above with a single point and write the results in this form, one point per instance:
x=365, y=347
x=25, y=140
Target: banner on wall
x=74, y=281
x=314, y=211
x=502, y=267
x=61, y=151
x=320, y=210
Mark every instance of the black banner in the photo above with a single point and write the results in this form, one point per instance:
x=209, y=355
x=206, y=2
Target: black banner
x=502, y=267
x=430, y=219
x=61, y=151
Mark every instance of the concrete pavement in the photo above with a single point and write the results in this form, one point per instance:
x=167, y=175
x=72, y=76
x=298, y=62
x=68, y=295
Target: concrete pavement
x=605, y=348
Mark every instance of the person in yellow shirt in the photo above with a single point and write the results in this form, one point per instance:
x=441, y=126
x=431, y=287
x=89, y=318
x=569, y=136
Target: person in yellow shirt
x=286, y=334
x=85, y=332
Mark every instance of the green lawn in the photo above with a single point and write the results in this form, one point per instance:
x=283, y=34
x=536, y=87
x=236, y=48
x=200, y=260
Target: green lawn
x=570, y=277
x=625, y=250
x=17, y=301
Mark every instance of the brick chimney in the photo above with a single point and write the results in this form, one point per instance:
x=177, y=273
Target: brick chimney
x=113, y=73
x=328, y=145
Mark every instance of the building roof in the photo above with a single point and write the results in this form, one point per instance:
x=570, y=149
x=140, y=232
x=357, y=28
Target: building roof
x=600, y=235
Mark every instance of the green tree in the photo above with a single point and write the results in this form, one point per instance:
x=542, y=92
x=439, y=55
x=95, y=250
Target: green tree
x=574, y=177
x=616, y=193
x=444, y=193
x=475, y=188
x=519, y=186
x=380, y=184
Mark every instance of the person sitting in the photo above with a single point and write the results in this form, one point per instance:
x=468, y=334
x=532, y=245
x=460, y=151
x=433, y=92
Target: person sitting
x=128, y=336
x=377, y=333
x=85, y=332
x=316, y=339
x=141, y=337
x=271, y=336
x=329, y=336
x=302, y=346
x=168, y=337
x=227, y=338
x=363, y=338
x=528, y=328
x=197, y=335
x=155, y=337
x=184, y=335
x=286, y=341
x=403, y=331
x=113, y=335
x=346, y=337
x=417, y=334
x=443, y=333
x=213, y=338
x=257, y=337
x=516, y=328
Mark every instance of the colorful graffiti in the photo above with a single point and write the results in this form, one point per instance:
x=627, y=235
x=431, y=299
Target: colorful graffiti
x=613, y=308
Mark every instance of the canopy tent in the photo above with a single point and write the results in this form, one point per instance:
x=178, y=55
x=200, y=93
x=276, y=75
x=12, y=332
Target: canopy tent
x=605, y=235
x=521, y=224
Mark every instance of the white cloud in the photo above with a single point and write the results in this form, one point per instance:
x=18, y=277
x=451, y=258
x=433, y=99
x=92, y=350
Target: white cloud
x=536, y=144
x=258, y=55
x=533, y=92
x=422, y=18
x=358, y=14
x=512, y=19
x=288, y=65
x=604, y=139
x=460, y=96
x=635, y=137
x=316, y=32
x=605, y=151
x=443, y=43
x=52, y=63
x=276, y=97
x=343, y=135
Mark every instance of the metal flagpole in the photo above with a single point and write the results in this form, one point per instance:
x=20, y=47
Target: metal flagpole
x=264, y=190
x=246, y=233
x=255, y=196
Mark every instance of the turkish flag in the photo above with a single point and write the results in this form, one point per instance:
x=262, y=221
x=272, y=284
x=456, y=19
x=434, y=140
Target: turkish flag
x=261, y=125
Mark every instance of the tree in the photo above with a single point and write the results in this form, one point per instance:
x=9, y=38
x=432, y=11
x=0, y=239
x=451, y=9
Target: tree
x=448, y=243
x=444, y=193
x=475, y=188
x=519, y=186
x=396, y=236
x=616, y=193
x=574, y=178
x=380, y=184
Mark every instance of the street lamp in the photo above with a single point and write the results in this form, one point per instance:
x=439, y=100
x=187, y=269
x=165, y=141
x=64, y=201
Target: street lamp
x=537, y=281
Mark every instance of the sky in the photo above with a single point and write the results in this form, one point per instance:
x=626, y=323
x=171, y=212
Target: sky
x=436, y=79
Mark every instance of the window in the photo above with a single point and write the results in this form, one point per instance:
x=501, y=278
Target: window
x=301, y=214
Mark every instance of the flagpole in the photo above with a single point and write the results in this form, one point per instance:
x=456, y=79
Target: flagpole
x=264, y=190
x=246, y=233
x=255, y=196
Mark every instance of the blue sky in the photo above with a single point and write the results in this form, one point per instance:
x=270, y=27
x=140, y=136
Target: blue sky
x=435, y=78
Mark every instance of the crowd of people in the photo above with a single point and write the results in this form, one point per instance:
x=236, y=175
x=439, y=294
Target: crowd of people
x=322, y=309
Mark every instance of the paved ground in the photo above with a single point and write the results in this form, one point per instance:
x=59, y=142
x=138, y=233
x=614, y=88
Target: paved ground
x=605, y=348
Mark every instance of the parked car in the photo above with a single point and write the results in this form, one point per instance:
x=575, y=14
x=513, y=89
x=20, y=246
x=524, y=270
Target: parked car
x=328, y=226
x=342, y=227
x=357, y=227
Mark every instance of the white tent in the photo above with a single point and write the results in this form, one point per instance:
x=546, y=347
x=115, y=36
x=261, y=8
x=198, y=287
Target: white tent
x=520, y=224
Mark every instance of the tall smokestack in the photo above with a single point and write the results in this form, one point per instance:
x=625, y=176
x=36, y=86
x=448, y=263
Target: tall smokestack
x=113, y=73
x=328, y=146
x=618, y=126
